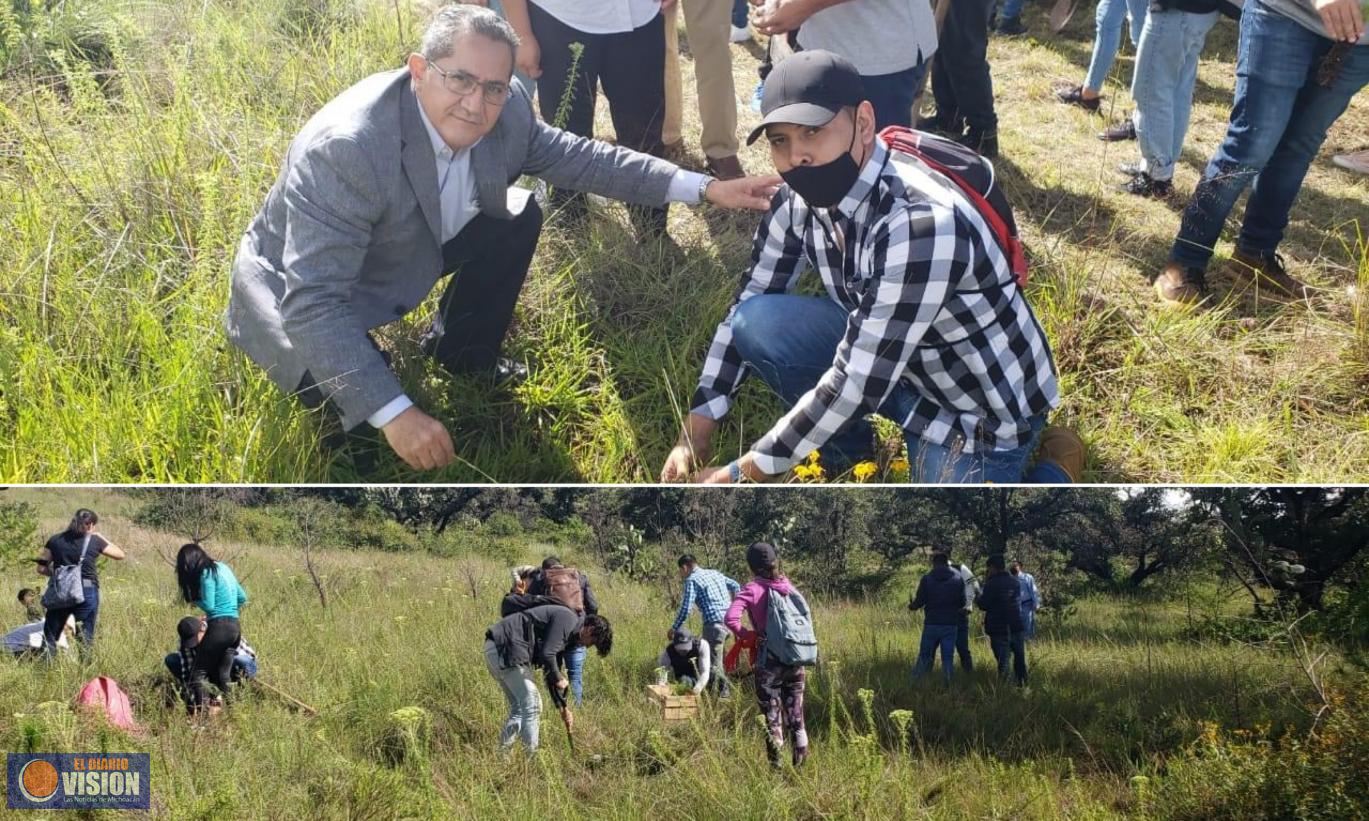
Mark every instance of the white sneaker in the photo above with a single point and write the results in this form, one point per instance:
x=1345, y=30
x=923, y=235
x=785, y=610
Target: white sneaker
x=741, y=35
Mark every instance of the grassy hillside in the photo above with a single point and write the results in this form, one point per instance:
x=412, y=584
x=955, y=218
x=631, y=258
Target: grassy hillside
x=129, y=177
x=1124, y=717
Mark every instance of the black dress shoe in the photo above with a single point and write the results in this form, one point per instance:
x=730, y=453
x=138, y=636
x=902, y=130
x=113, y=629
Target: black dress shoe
x=1125, y=130
x=1074, y=95
x=946, y=123
x=1144, y=185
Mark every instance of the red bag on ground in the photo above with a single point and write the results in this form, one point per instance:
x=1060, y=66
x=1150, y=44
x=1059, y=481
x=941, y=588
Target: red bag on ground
x=103, y=694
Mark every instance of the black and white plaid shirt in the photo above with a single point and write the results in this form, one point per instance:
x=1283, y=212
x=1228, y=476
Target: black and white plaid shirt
x=932, y=301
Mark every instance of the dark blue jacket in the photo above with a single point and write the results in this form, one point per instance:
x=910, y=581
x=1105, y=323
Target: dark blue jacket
x=942, y=592
x=1000, y=602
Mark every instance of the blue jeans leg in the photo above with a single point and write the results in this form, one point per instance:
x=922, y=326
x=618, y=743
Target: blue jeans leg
x=934, y=637
x=739, y=13
x=87, y=614
x=1276, y=61
x=575, y=672
x=1166, y=70
x=1107, y=22
x=789, y=341
x=892, y=95
x=1012, y=9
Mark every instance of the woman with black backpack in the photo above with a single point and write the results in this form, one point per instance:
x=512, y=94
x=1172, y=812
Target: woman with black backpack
x=211, y=586
x=69, y=560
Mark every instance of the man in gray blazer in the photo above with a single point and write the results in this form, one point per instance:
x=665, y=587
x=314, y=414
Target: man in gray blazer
x=402, y=179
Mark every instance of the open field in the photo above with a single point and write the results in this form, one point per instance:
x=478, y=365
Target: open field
x=1126, y=715
x=128, y=179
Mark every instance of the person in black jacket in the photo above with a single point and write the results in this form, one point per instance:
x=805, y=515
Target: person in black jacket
x=537, y=637
x=575, y=658
x=1001, y=603
x=942, y=593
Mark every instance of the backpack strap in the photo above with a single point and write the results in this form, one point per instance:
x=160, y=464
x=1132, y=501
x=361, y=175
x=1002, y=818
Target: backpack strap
x=908, y=141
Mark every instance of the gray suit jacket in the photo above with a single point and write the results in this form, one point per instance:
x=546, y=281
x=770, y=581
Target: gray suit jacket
x=349, y=237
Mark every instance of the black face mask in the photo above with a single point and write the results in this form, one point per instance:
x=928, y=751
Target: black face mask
x=823, y=186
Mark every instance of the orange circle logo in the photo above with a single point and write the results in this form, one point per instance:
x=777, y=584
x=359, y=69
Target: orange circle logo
x=38, y=780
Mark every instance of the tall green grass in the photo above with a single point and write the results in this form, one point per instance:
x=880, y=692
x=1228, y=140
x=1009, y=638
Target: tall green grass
x=127, y=178
x=1116, y=693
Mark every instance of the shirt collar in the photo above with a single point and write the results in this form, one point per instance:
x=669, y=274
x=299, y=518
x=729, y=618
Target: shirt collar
x=865, y=183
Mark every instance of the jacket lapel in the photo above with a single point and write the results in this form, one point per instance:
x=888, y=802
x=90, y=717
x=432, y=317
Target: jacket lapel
x=420, y=166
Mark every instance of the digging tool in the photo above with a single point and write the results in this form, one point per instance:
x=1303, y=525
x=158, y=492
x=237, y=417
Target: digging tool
x=286, y=697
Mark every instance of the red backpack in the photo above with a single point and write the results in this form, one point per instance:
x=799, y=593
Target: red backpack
x=974, y=176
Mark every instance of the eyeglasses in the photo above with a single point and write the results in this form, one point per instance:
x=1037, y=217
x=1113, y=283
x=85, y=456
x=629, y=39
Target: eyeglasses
x=460, y=83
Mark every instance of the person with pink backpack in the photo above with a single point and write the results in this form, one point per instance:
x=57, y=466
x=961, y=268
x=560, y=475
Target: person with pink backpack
x=779, y=686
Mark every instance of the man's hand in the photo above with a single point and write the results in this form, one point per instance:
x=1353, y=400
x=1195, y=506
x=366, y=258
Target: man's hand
x=695, y=445
x=722, y=476
x=783, y=16
x=420, y=440
x=754, y=193
x=670, y=634
x=562, y=684
x=569, y=718
x=528, y=57
x=1343, y=18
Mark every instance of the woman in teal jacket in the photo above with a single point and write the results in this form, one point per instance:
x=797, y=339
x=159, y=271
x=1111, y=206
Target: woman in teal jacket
x=212, y=587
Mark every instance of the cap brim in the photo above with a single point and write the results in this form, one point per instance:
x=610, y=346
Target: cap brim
x=809, y=114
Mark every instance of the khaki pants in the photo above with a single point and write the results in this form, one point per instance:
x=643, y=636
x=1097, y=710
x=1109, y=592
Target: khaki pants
x=708, y=25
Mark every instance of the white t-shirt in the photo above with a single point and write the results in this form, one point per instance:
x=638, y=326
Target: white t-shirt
x=703, y=664
x=877, y=36
x=602, y=16
x=30, y=637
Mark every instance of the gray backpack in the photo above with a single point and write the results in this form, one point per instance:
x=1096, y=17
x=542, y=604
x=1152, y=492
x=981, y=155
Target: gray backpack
x=789, y=636
x=64, y=585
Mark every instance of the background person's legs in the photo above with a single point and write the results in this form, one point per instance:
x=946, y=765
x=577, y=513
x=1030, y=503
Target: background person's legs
x=632, y=73
x=563, y=74
x=962, y=644
x=672, y=122
x=716, y=635
x=575, y=672
x=708, y=29
x=892, y=95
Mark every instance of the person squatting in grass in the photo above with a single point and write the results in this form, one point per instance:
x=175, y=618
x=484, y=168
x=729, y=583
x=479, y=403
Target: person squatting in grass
x=399, y=180
x=182, y=663
x=80, y=545
x=538, y=637
x=211, y=586
x=689, y=658
x=779, y=687
x=922, y=321
x=26, y=640
x=712, y=592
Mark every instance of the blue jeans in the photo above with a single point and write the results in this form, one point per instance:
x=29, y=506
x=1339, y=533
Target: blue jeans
x=1108, y=36
x=86, y=613
x=936, y=636
x=892, y=95
x=1010, y=649
x=575, y=672
x=739, y=13
x=789, y=341
x=1278, y=122
x=1166, y=70
x=1012, y=9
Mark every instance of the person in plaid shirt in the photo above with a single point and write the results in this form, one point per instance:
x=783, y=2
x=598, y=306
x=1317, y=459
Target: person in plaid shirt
x=922, y=319
x=712, y=592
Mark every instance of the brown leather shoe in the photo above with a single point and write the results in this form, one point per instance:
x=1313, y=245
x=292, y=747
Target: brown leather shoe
x=725, y=168
x=1177, y=284
x=1063, y=447
x=1266, y=271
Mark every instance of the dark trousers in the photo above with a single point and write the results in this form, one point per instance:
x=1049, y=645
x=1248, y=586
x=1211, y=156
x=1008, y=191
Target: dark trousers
x=86, y=615
x=892, y=95
x=716, y=635
x=962, y=644
x=960, y=73
x=1010, y=648
x=631, y=67
x=488, y=262
x=214, y=658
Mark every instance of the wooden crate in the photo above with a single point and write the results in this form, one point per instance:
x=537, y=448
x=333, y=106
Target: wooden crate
x=674, y=707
